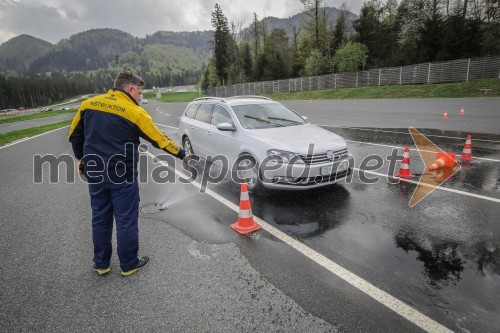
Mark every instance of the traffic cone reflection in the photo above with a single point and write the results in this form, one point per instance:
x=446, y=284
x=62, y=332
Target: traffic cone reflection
x=404, y=170
x=467, y=152
x=444, y=160
x=245, y=223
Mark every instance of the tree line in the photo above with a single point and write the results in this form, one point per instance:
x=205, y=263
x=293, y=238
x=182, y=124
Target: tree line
x=89, y=61
x=30, y=91
x=384, y=34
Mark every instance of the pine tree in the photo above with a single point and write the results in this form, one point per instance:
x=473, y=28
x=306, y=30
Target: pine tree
x=222, y=39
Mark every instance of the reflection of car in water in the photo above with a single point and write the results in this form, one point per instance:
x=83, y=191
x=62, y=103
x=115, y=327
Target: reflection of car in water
x=305, y=214
x=278, y=148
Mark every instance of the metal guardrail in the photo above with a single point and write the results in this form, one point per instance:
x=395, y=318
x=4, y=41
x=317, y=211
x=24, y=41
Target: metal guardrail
x=432, y=72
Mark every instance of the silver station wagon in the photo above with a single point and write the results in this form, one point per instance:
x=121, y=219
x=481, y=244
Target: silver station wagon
x=264, y=142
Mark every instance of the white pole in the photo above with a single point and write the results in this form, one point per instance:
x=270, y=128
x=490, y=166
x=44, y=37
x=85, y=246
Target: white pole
x=468, y=68
x=429, y=74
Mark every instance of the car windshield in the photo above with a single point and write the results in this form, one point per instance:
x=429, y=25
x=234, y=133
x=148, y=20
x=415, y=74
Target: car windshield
x=252, y=116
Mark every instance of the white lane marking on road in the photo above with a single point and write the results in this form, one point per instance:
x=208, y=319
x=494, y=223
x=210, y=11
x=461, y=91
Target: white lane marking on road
x=167, y=126
x=158, y=109
x=385, y=131
x=479, y=196
x=361, y=284
x=382, y=145
x=31, y=137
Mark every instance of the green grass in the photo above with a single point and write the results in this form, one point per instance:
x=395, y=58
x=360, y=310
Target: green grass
x=441, y=90
x=35, y=116
x=171, y=97
x=24, y=133
x=72, y=101
x=150, y=95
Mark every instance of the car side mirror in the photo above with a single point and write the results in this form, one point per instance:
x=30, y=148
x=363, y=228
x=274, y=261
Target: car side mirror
x=226, y=127
x=304, y=117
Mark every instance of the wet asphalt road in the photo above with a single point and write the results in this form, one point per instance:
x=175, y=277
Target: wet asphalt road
x=441, y=257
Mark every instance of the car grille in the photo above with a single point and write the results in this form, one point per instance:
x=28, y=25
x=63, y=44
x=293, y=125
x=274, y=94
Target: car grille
x=321, y=157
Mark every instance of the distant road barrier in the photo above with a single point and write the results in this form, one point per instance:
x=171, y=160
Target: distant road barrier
x=16, y=111
x=432, y=72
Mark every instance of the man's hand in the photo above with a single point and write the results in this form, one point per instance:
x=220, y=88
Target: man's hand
x=79, y=165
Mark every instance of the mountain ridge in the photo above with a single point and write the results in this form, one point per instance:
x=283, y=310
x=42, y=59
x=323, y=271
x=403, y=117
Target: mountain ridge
x=18, y=52
x=96, y=49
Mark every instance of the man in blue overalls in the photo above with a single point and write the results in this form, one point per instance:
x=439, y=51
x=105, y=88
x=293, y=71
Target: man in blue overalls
x=105, y=137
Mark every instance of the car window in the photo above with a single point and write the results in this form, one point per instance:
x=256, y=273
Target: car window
x=191, y=110
x=221, y=115
x=204, y=113
x=266, y=115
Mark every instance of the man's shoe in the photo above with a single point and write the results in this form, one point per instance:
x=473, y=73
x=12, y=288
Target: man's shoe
x=101, y=271
x=143, y=261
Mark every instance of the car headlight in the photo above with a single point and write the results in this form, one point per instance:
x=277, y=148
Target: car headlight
x=282, y=156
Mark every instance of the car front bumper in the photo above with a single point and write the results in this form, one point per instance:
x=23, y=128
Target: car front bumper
x=303, y=177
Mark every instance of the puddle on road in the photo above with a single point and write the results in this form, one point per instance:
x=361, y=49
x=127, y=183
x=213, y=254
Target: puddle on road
x=483, y=145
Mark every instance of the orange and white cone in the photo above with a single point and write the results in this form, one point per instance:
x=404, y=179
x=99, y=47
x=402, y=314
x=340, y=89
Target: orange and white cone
x=462, y=110
x=310, y=101
x=444, y=160
x=404, y=170
x=445, y=114
x=245, y=223
x=467, y=152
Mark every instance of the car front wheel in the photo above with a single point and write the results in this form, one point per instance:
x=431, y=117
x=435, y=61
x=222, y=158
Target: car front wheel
x=251, y=174
x=186, y=145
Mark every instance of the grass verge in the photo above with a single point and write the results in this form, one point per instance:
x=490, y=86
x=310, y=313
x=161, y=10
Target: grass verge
x=24, y=133
x=171, y=97
x=150, y=95
x=35, y=116
x=441, y=90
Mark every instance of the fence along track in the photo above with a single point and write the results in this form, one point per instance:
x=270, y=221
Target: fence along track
x=432, y=72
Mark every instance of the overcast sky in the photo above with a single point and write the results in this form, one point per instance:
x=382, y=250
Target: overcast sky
x=52, y=20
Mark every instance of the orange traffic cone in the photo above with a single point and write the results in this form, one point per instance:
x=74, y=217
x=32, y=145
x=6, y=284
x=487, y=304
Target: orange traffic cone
x=462, y=110
x=467, y=152
x=444, y=160
x=310, y=101
x=404, y=170
x=245, y=223
x=445, y=114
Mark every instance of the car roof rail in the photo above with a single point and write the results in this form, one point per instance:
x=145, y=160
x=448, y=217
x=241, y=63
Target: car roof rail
x=251, y=96
x=209, y=97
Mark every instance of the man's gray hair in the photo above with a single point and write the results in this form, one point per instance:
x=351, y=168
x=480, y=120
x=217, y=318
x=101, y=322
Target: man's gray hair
x=125, y=78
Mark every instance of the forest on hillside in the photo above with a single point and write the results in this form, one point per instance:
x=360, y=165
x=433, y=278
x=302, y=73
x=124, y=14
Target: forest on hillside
x=385, y=34
x=89, y=61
